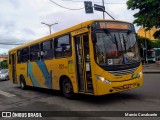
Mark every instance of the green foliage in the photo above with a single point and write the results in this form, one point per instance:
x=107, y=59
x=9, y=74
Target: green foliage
x=148, y=14
x=150, y=44
x=156, y=44
x=4, y=64
x=157, y=34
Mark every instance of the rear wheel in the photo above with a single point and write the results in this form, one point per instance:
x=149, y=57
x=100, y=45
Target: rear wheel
x=67, y=88
x=22, y=83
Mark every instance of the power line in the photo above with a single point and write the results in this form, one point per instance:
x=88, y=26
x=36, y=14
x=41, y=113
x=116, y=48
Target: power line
x=92, y=2
x=11, y=43
x=64, y=7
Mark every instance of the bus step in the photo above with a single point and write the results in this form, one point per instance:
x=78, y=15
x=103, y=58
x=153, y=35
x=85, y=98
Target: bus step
x=90, y=86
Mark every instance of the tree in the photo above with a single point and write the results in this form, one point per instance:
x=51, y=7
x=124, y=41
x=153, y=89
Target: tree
x=150, y=44
x=4, y=64
x=148, y=15
x=157, y=34
x=141, y=42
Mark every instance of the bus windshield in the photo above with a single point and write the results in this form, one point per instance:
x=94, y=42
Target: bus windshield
x=116, y=47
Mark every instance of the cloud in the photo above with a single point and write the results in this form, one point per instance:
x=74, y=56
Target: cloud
x=5, y=41
x=20, y=20
x=14, y=3
x=28, y=31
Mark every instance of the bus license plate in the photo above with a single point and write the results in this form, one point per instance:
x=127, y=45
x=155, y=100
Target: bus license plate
x=127, y=86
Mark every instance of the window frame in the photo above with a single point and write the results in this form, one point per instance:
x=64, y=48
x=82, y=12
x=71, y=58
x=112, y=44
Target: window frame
x=25, y=54
x=36, y=52
x=70, y=43
x=19, y=55
x=52, y=49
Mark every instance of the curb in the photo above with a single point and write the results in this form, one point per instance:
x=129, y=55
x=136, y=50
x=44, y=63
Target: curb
x=155, y=72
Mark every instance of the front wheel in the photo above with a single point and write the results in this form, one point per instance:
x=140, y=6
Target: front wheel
x=67, y=89
x=22, y=83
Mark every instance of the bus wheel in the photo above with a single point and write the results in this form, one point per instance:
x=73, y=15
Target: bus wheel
x=22, y=83
x=67, y=89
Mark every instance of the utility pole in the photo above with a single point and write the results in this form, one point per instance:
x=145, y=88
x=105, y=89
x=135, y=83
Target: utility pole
x=103, y=11
x=49, y=25
x=89, y=8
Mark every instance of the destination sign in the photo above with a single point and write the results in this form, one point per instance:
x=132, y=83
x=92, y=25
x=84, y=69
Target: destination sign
x=113, y=25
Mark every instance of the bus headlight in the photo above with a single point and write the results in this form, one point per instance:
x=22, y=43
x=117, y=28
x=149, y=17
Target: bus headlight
x=140, y=74
x=103, y=79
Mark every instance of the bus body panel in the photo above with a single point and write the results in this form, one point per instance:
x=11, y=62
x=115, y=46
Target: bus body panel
x=118, y=83
x=46, y=74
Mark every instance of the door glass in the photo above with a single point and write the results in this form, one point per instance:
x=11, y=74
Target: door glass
x=87, y=66
x=83, y=63
x=79, y=63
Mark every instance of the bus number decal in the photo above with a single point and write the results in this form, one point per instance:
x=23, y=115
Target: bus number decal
x=61, y=66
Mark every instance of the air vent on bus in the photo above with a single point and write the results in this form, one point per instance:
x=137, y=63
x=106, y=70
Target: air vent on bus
x=123, y=72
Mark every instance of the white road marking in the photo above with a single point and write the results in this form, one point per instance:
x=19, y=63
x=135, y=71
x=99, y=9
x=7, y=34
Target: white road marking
x=6, y=94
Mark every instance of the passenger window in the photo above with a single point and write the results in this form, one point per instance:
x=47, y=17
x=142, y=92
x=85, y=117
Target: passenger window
x=19, y=56
x=63, y=46
x=25, y=54
x=34, y=52
x=46, y=50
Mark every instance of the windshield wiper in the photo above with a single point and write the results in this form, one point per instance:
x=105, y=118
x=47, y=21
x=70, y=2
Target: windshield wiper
x=116, y=42
x=113, y=39
x=124, y=42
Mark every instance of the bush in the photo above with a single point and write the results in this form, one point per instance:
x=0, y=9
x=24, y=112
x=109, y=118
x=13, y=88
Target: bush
x=4, y=64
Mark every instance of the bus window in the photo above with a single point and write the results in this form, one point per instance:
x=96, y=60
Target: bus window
x=19, y=56
x=34, y=52
x=62, y=46
x=25, y=54
x=46, y=50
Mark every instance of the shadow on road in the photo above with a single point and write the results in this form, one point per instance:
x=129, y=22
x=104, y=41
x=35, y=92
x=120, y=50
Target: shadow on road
x=110, y=98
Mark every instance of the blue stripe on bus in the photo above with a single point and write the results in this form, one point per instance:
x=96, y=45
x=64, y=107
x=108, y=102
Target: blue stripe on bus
x=46, y=74
x=30, y=74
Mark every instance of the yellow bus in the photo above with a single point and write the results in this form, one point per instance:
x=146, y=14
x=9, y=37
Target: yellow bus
x=96, y=57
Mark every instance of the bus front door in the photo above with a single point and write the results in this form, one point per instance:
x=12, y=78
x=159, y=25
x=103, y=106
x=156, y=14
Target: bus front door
x=13, y=65
x=83, y=63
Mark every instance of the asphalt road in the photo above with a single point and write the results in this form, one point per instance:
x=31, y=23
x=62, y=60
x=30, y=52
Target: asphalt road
x=146, y=98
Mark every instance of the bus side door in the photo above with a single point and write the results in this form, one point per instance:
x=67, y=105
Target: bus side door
x=83, y=63
x=13, y=67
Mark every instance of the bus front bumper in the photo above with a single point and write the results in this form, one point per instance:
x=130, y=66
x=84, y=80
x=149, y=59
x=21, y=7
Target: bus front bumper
x=119, y=86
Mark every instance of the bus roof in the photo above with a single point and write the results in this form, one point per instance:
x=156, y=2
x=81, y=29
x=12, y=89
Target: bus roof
x=80, y=25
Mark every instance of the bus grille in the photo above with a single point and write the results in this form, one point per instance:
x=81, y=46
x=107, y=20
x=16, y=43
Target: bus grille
x=123, y=72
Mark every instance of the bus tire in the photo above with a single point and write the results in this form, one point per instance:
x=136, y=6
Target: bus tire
x=67, y=88
x=22, y=83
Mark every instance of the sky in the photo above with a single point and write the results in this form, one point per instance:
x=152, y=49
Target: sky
x=20, y=20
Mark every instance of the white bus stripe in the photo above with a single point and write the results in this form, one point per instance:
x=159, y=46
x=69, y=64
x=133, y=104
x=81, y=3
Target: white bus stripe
x=6, y=94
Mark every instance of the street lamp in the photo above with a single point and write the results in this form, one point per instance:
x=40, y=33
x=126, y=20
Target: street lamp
x=49, y=25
